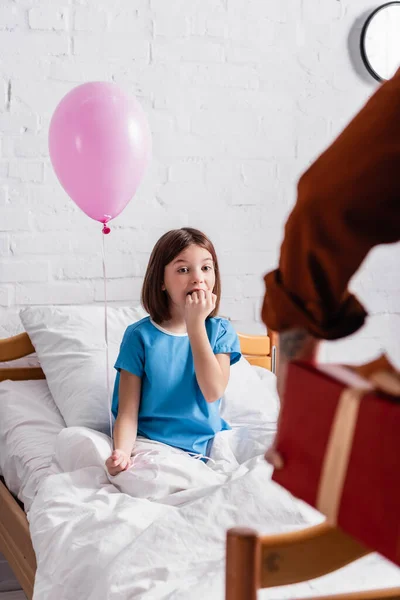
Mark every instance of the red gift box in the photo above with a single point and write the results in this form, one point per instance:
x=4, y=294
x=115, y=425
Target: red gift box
x=340, y=443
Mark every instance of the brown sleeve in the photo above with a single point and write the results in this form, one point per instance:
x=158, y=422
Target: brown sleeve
x=348, y=202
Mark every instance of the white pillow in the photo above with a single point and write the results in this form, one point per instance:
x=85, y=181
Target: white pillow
x=70, y=344
x=250, y=398
x=29, y=425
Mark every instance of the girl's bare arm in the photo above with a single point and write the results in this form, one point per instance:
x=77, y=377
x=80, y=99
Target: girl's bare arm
x=125, y=430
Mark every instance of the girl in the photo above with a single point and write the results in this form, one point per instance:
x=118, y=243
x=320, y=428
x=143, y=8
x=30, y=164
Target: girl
x=173, y=366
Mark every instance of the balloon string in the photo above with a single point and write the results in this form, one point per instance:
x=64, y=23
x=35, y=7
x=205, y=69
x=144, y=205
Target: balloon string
x=106, y=337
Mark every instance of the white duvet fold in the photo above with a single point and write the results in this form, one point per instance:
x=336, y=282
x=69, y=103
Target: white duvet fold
x=96, y=542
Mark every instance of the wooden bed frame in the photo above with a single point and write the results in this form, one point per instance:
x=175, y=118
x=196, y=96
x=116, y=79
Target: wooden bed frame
x=15, y=541
x=252, y=561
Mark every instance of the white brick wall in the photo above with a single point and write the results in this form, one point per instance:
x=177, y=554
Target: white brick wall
x=241, y=96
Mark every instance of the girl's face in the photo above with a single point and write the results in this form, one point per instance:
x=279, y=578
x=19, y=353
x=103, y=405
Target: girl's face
x=192, y=269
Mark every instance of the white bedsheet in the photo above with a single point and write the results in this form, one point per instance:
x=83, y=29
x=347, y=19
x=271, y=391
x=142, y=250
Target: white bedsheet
x=94, y=542
x=29, y=425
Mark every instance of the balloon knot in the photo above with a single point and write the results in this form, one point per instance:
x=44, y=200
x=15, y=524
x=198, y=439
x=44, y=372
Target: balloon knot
x=106, y=230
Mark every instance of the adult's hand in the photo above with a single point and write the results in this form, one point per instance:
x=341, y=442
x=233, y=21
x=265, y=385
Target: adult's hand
x=294, y=344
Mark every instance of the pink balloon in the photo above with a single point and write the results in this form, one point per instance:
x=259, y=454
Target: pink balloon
x=100, y=145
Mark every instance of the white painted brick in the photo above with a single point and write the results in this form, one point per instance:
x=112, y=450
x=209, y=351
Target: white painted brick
x=62, y=220
x=46, y=18
x=36, y=43
x=259, y=174
x=3, y=195
x=50, y=178
x=90, y=19
x=186, y=145
x=31, y=146
x=172, y=97
x=160, y=121
x=110, y=46
x=48, y=243
x=17, y=124
x=13, y=219
x=187, y=170
x=4, y=246
x=32, y=95
x=53, y=210
x=241, y=53
x=87, y=242
x=143, y=236
x=277, y=12
x=244, y=262
x=4, y=95
x=208, y=18
x=7, y=146
x=54, y=293
x=188, y=49
x=241, y=195
x=232, y=286
x=131, y=21
x=180, y=195
x=258, y=32
x=210, y=24
x=137, y=243
x=249, y=326
x=27, y=171
x=224, y=122
x=221, y=75
x=117, y=266
x=224, y=172
x=119, y=289
x=77, y=267
x=319, y=13
x=262, y=146
x=6, y=295
x=4, y=168
x=19, y=193
x=21, y=66
x=76, y=70
x=312, y=137
x=11, y=17
x=253, y=286
x=258, y=304
x=237, y=310
x=195, y=7
x=30, y=3
x=171, y=25
x=140, y=7
x=13, y=271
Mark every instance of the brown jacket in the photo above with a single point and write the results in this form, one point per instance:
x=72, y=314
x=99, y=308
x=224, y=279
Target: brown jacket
x=348, y=202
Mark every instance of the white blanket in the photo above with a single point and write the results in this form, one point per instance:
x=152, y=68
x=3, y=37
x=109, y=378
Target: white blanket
x=95, y=542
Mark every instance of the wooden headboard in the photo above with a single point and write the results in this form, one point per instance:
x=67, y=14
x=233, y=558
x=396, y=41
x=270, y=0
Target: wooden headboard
x=259, y=350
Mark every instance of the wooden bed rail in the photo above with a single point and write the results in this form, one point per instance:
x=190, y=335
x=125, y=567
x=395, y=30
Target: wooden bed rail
x=15, y=541
x=13, y=348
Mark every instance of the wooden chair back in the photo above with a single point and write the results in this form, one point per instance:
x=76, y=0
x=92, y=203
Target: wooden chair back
x=254, y=562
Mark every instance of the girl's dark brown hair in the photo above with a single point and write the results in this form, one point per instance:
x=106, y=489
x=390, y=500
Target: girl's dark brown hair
x=172, y=243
